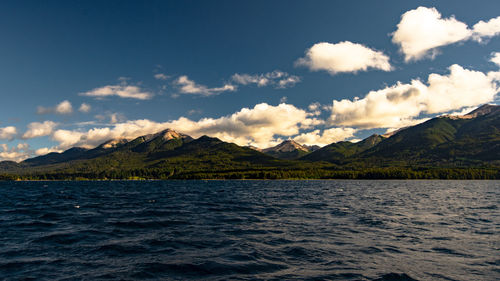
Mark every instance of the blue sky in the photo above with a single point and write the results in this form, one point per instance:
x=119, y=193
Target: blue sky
x=253, y=72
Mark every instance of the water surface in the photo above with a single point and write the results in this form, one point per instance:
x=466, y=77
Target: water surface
x=250, y=230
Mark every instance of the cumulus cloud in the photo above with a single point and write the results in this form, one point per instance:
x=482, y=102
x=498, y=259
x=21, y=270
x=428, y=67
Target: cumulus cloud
x=123, y=90
x=85, y=108
x=187, y=86
x=63, y=107
x=399, y=105
x=8, y=133
x=495, y=58
x=422, y=31
x=326, y=137
x=260, y=126
x=486, y=29
x=160, y=76
x=37, y=129
x=278, y=79
x=17, y=153
x=343, y=57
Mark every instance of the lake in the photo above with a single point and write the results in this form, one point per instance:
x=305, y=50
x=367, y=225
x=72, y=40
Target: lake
x=250, y=230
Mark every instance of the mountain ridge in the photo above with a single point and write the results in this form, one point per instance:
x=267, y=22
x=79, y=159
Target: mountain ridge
x=440, y=143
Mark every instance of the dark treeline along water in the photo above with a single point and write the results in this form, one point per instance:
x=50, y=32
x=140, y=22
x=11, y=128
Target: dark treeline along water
x=250, y=230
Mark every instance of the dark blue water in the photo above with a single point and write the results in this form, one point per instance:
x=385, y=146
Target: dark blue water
x=250, y=230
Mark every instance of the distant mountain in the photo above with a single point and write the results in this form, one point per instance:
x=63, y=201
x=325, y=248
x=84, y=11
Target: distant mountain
x=447, y=141
x=466, y=146
x=56, y=157
x=339, y=152
x=311, y=148
x=288, y=149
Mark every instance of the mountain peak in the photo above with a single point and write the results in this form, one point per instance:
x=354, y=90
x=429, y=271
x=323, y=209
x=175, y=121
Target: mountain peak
x=167, y=134
x=484, y=109
x=287, y=146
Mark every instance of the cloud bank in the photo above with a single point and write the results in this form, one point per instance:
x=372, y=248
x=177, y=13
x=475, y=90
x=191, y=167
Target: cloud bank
x=326, y=137
x=398, y=105
x=261, y=126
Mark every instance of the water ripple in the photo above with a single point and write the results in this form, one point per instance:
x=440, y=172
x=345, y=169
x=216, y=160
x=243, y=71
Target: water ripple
x=250, y=230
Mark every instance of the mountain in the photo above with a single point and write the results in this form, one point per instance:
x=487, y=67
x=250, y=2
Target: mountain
x=311, y=148
x=463, y=147
x=469, y=140
x=56, y=157
x=446, y=140
x=162, y=154
x=288, y=149
x=339, y=152
x=487, y=109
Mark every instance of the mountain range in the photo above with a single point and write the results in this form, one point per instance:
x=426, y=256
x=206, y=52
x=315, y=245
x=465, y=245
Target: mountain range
x=466, y=146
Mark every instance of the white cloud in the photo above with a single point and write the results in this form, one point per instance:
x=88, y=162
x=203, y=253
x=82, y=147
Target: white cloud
x=123, y=91
x=187, y=86
x=495, y=58
x=315, y=108
x=288, y=82
x=63, y=107
x=246, y=79
x=85, y=108
x=398, y=105
x=277, y=79
x=194, y=111
x=343, y=57
x=486, y=29
x=421, y=31
x=161, y=76
x=17, y=153
x=260, y=126
x=47, y=150
x=327, y=137
x=37, y=129
x=8, y=133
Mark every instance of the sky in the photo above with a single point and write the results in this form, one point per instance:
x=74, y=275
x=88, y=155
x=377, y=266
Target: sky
x=78, y=73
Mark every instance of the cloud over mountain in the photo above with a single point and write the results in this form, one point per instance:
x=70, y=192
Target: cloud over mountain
x=16, y=153
x=398, y=105
x=261, y=125
x=326, y=137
